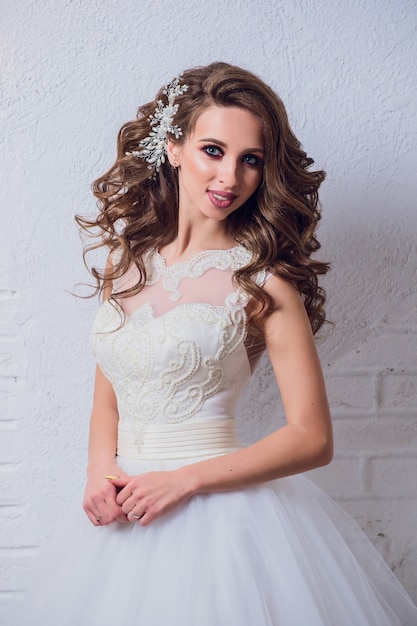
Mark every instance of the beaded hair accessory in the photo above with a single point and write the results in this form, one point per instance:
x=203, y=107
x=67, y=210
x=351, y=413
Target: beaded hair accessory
x=153, y=147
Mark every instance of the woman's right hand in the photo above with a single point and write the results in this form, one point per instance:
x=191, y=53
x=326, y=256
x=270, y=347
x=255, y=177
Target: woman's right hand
x=99, y=500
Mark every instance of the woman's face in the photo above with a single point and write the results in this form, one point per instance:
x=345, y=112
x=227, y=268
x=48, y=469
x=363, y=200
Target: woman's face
x=220, y=163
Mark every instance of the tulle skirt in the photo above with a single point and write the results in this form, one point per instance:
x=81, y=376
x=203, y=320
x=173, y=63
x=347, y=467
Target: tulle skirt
x=279, y=554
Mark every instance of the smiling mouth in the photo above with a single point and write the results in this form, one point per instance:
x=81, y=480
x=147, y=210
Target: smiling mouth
x=219, y=196
x=221, y=200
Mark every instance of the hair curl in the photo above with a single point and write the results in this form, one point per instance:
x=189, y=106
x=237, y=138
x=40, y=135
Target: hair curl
x=277, y=224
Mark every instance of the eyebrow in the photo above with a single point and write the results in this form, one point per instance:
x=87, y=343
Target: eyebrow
x=223, y=145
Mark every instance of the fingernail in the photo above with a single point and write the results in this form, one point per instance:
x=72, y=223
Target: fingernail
x=111, y=477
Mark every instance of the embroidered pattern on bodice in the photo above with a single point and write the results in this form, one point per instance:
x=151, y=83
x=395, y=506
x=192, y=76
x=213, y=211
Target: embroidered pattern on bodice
x=172, y=276
x=175, y=357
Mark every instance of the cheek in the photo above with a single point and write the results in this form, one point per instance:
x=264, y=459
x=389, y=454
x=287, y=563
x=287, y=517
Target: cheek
x=195, y=173
x=201, y=165
x=253, y=180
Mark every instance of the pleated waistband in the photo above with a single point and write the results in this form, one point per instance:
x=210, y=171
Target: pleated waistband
x=179, y=441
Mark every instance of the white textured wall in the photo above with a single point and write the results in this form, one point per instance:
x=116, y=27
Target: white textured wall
x=71, y=73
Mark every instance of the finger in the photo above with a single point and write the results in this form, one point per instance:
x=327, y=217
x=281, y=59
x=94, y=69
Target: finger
x=98, y=507
x=115, y=509
x=95, y=518
x=134, y=516
x=148, y=517
x=102, y=509
x=115, y=512
x=92, y=511
x=123, y=497
x=110, y=511
x=131, y=503
x=118, y=481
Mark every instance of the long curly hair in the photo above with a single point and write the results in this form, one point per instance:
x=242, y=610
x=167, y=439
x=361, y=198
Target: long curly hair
x=139, y=212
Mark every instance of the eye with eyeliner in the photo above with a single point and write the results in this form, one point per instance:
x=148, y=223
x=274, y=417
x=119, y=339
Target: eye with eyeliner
x=248, y=159
x=213, y=151
x=252, y=160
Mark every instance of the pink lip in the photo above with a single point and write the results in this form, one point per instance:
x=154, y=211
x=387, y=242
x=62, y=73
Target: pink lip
x=221, y=199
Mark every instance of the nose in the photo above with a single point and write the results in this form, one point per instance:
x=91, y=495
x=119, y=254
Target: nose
x=228, y=172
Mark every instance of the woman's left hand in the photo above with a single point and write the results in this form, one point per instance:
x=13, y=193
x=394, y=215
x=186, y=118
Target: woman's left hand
x=146, y=497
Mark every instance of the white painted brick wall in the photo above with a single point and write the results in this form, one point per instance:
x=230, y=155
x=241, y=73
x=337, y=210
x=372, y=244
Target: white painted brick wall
x=71, y=74
x=375, y=469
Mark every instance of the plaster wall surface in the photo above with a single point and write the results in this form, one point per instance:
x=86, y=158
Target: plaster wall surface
x=71, y=73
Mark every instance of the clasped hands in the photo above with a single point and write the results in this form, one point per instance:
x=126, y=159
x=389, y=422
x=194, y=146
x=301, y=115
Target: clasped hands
x=126, y=499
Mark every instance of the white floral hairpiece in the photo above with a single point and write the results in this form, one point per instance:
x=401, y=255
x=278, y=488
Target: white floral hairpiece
x=153, y=147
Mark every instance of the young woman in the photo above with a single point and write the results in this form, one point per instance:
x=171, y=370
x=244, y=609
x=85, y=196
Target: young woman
x=209, y=215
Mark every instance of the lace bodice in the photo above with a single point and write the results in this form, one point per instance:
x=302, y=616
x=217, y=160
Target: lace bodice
x=181, y=353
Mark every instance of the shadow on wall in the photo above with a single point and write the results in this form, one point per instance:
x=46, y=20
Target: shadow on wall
x=369, y=361
x=372, y=304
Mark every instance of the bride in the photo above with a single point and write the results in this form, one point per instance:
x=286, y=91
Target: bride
x=209, y=216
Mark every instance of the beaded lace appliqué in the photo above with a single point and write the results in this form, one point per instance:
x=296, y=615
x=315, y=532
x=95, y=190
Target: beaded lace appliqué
x=149, y=385
x=233, y=258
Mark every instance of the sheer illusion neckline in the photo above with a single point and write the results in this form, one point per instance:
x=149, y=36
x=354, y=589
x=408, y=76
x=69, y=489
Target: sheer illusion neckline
x=197, y=256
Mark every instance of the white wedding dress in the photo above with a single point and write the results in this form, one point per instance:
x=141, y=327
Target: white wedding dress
x=278, y=554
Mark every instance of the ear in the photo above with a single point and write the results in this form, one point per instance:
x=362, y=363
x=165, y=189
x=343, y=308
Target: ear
x=173, y=152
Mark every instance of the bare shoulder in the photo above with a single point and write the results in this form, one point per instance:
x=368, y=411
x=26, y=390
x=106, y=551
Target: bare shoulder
x=289, y=319
x=283, y=293
x=108, y=283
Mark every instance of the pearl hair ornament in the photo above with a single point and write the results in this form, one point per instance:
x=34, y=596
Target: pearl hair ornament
x=154, y=146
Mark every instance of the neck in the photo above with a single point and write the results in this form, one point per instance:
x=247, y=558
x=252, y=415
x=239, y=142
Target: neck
x=193, y=238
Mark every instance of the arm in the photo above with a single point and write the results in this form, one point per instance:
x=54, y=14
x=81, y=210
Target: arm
x=100, y=495
x=103, y=426
x=303, y=443
x=306, y=441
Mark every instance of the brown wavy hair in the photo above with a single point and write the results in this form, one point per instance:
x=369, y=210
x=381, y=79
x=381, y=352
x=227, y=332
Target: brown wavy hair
x=139, y=212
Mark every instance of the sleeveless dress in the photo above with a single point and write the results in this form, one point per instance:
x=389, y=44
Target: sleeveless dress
x=278, y=554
